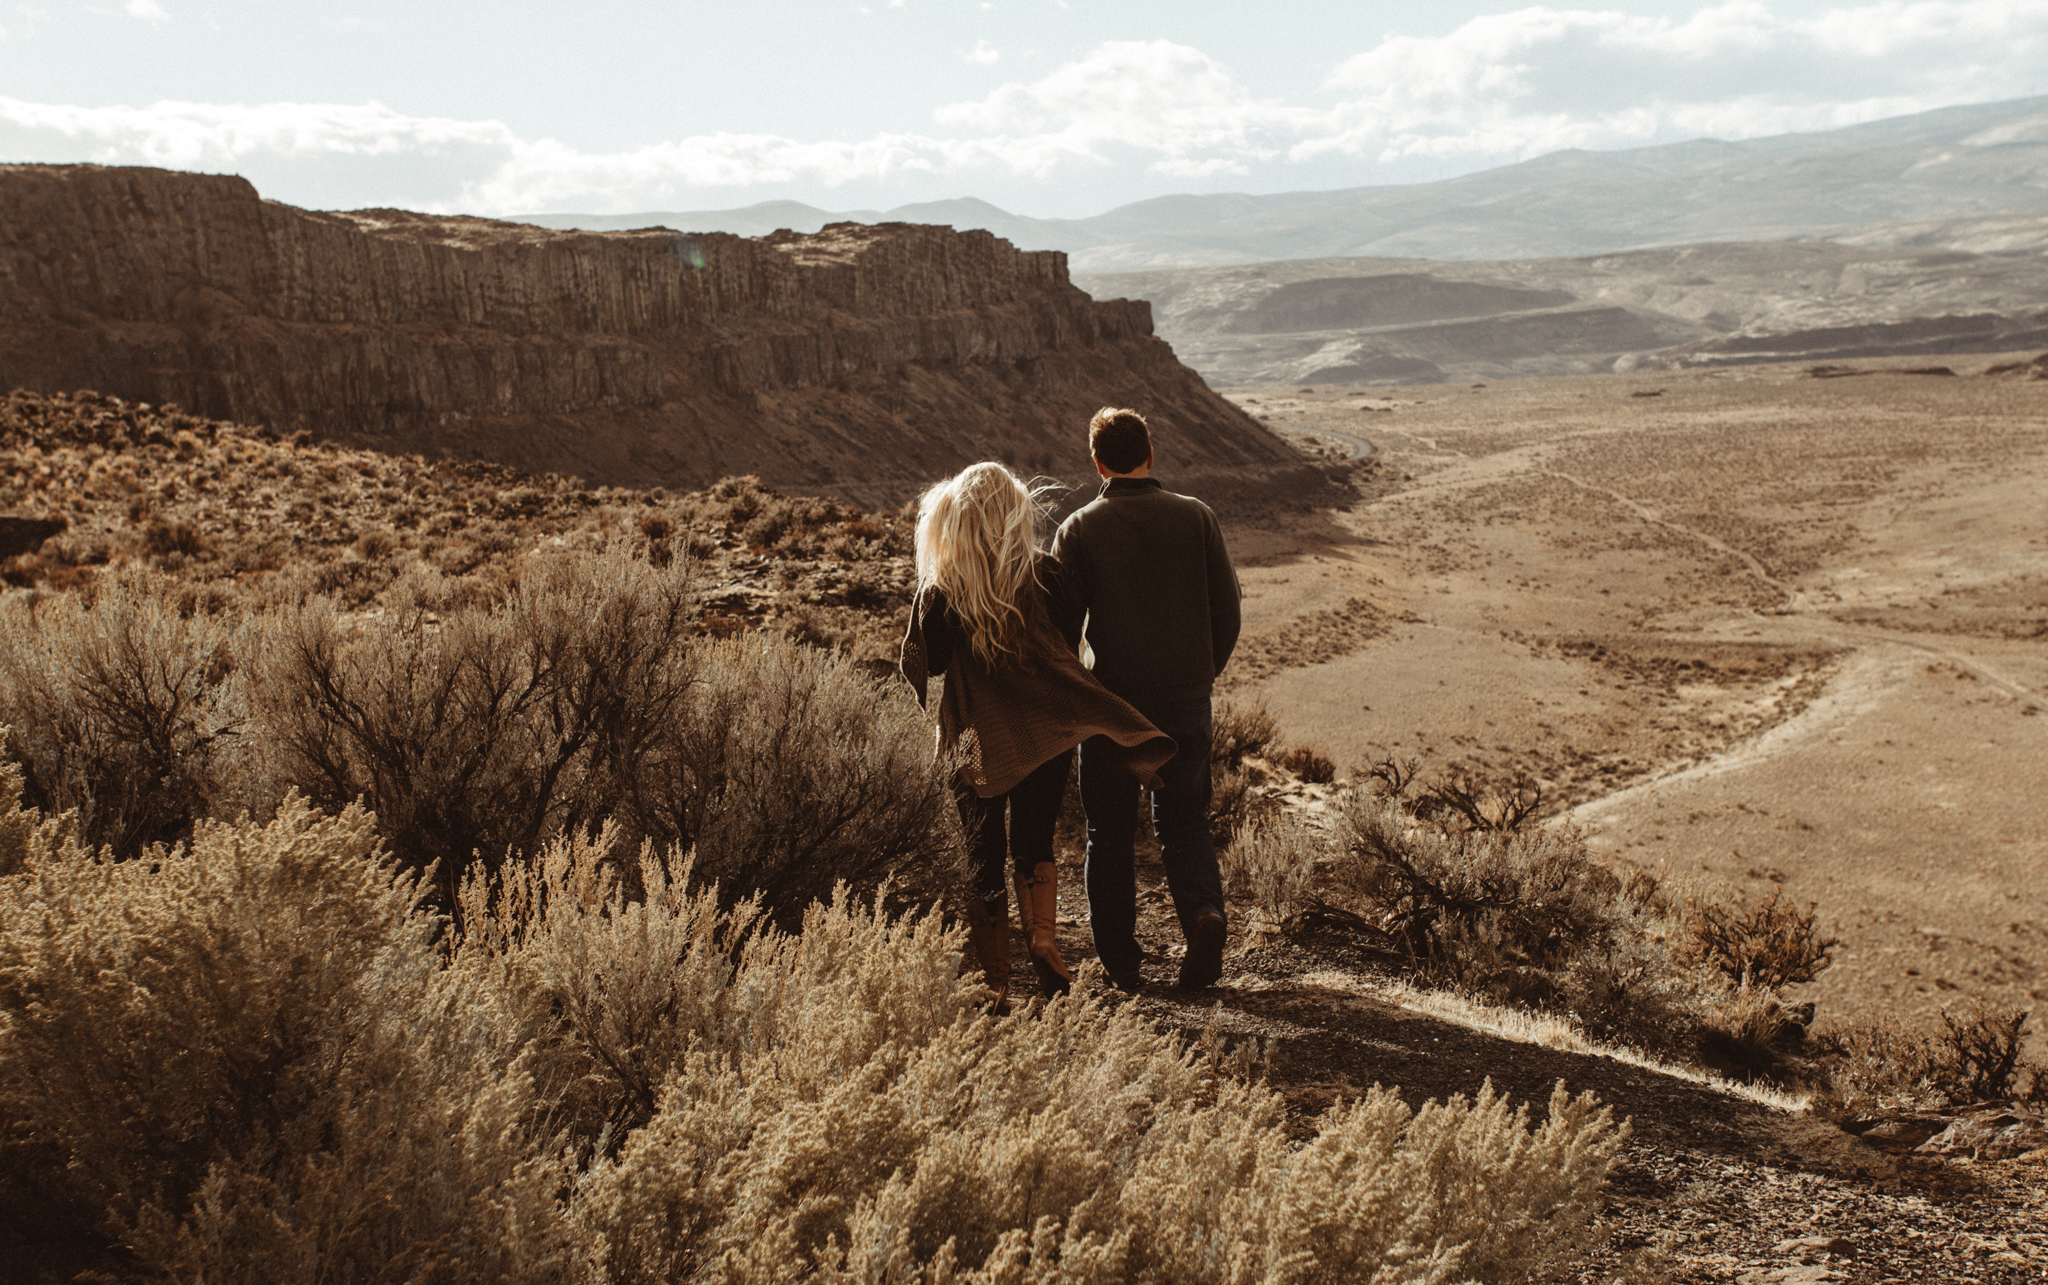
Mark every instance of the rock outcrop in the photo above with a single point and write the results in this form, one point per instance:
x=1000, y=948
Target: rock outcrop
x=863, y=361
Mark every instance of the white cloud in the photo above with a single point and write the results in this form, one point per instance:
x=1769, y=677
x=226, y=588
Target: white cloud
x=147, y=10
x=1148, y=96
x=983, y=52
x=1500, y=87
x=1535, y=80
x=198, y=135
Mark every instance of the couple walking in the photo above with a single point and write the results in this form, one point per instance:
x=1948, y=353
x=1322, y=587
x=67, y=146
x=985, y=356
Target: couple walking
x=1142, y=576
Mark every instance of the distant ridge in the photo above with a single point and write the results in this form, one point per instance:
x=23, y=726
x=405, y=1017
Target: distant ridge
x=1955, y=165
x=1418, y=321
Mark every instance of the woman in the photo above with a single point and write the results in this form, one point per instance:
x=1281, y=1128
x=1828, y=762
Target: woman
x=1017, y=700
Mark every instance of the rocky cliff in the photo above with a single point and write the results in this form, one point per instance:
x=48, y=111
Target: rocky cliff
x=864, y=361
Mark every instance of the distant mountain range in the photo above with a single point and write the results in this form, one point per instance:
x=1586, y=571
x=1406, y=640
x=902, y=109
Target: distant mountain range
x=1420, y=321
x=1965, y=178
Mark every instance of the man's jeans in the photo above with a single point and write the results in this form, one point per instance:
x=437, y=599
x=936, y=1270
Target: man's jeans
x=1180, y=819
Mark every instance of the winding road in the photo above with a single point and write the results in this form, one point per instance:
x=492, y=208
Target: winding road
x=1360, y=448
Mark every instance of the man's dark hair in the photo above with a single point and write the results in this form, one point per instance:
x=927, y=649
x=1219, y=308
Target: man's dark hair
x=1118, y=439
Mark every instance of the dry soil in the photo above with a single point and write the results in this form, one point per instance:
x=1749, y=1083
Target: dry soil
x=1750, y=627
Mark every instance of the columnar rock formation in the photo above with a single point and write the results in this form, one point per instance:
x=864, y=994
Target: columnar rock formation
x=861, y=360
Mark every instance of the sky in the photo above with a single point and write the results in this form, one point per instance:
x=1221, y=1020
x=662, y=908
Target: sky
x=1050, y=108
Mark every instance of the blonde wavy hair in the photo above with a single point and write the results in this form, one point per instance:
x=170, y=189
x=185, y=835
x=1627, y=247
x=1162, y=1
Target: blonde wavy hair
x=977, y=543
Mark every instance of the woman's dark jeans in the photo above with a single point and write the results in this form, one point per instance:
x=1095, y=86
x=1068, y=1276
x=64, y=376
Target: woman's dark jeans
x=1033, y=805
x=1180, y=819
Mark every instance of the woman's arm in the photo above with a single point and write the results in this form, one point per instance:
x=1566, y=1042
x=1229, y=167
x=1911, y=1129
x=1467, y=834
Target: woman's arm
x=941, y=628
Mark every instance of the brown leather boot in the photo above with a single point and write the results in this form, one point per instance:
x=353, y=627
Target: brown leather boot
x=988, y=941
x=1038, y=900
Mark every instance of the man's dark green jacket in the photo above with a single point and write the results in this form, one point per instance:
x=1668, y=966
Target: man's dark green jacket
x=1148, y=570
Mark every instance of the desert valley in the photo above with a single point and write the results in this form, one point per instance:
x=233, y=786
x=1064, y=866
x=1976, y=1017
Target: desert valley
x=1760, y=627
x=1702, y=577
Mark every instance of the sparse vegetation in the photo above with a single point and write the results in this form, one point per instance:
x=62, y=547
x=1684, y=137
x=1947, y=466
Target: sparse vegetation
x=1312, y=763
x=247, y=519
x=258, y=1057
x=1770, y=944
x=1454, y=879
x=476, y=730
x=1237, y=732
x=1269, y=866
x=637, y=740
x=1975, y=1055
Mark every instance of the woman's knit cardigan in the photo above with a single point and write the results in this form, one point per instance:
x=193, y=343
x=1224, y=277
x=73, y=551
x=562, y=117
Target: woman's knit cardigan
x=1010, y=717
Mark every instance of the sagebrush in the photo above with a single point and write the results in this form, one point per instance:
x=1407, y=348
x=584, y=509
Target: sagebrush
x=260, y=1057
x=473, y=728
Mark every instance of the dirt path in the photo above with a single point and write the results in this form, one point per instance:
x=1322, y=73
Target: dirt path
x=1849, y=634
x=1360, y=448
x=1651, y=516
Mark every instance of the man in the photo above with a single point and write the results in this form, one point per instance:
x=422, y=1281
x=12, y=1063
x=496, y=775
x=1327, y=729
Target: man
x=1148, y=570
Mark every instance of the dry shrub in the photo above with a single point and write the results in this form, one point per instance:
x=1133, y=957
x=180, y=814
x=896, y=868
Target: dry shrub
x=852, y=1115
x=1743, y=1031
x=1769, y=945
x=1986, y=1048
x=484, y=729
x=479, y=719
x=1526, y=916
x=163, y=537
x=1309, y=762
x=1270, y=863
x=243, y=1061
x=1235, y=801
x=611, y=990
x=1473, y=901
x=1391, y=776
x=1237, y=733
x=1499, y=807
x=254, y=1057
x=1975, y=1056
x=792, y=770
x=376, y=543
x=127, y=710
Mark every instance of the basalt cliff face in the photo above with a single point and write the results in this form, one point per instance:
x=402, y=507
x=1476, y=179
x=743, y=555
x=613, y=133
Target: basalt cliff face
x=863, y=361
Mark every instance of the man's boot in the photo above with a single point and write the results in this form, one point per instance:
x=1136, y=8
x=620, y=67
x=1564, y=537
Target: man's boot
x=1038, y=900
x=1203, y=964
x=988, y=940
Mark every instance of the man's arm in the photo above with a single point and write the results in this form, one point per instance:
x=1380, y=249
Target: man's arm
x=1070, y=587
x=1226, y=616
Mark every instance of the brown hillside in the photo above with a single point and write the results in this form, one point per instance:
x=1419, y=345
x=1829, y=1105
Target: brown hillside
x=860, y=361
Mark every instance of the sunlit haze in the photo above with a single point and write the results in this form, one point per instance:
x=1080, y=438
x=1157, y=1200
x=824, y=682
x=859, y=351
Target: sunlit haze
x=1053, y=108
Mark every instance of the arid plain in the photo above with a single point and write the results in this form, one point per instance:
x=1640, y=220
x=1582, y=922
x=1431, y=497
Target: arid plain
x=1756, y=628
